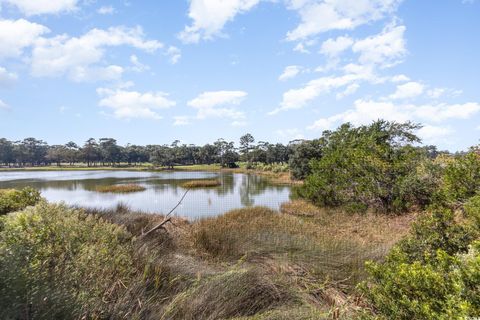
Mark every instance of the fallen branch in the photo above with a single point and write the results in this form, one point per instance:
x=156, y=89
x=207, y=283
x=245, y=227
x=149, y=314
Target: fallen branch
x=167, y=217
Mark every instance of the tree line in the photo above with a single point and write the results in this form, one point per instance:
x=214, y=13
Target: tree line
x=106, y=151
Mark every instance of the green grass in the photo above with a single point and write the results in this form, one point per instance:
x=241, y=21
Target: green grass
x=121, y=188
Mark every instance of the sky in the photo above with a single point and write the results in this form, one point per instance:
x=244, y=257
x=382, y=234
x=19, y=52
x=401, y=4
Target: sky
x=151, y=72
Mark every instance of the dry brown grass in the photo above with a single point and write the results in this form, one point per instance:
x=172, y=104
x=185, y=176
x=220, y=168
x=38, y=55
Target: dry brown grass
x=121, y=188
x=201, y=184
x=301, y=208
x=363, y=228
x=256, y=263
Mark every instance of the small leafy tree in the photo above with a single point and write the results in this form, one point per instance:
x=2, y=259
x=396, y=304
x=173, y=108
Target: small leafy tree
x=372, y=166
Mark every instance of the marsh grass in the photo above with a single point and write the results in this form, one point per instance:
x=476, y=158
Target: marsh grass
x=122, y=188
x=252, y=263
x=301, y=208
x=201, y=184
x=262, y=234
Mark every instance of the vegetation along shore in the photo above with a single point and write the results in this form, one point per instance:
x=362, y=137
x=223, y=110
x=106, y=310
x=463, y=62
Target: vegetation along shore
x=381, y=227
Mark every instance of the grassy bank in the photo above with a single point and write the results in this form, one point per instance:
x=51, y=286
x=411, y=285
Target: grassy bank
x=252, y=263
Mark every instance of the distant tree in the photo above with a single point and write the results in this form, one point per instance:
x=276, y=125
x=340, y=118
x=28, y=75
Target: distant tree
x=57, y=154
x=110, y=151
x=226, y=153
x=246, y=145
x=163, y=156
x=72, y=152
x=208, y=154
x=6, y=152
x=91, y=152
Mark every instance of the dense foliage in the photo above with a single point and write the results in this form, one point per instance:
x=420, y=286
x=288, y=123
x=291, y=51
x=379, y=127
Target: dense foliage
x=435, y=272
x=13, y=200
x=374, y=166
x=58, y=263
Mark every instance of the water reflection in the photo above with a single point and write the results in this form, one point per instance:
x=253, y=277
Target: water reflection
x=163, y=190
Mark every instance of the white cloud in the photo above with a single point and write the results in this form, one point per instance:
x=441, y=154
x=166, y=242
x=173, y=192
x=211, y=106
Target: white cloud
x=77, y=57
x=443, y=111
x=3, y=105
x=435, y=93
x=210, y=16
x=132, y=104
x=400, y=78
x=300, y=47
x=290, y=134
x=434, y=134
x=351, y=89
x=181, y=120
x=218, y=104
x=36, y=7
x=366, y=111
x=408, y=90
x=239, y=123
x=7, y=78
x=137, y=65
x=16, y=35
x=106, y=10
x=298, y=98
x=385, y=49
x=333, y=47
x=319, y=16
x=290, y=72
x=174, y=53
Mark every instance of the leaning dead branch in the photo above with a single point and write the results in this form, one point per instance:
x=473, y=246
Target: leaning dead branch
x=167, y=218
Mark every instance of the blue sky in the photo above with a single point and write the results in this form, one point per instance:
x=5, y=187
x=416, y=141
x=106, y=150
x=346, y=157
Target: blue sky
x=155, y=71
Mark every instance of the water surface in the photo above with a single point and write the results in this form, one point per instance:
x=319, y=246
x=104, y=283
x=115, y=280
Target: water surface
x=163, y=190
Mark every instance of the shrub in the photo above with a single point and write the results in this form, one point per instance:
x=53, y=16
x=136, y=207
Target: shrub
x=13, y=200
x=432, y=274
x=435, y=231
x=402, y=290
x=462, y=177
x=58, y=263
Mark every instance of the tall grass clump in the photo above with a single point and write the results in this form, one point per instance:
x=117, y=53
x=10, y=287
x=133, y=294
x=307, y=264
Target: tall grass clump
x=13, y=200
x=237, y=292
x=122, y=188
x=201, y=184
x=59, y=263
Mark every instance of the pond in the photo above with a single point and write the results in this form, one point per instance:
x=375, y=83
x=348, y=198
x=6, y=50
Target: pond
x=163, y=190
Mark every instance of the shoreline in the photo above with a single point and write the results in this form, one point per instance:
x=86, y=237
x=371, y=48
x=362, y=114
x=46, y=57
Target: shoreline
x=279, y=178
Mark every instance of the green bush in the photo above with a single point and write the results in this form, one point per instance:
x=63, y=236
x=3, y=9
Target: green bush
x=462, y=178
x=402, y=290
x=13, y=200
x=433, y=274
x=59, y=263
x=435, y=231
